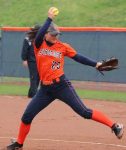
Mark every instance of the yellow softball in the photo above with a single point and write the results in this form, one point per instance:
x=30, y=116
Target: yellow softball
x=55, y=11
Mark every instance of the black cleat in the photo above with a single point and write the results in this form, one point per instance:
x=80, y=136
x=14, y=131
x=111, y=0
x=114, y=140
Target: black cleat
x=15, y=146
x=118, y=129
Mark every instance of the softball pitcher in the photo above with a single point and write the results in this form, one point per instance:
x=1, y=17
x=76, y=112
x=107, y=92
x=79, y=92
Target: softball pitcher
x=50, y=53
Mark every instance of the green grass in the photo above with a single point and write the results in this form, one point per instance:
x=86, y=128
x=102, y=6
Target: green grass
x=88, y=94
x=102, y=95
x=72, y=12
x=13, y=90
x=13, y=79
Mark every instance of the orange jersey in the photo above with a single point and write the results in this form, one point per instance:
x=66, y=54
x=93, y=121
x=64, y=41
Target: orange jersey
x=50, y=59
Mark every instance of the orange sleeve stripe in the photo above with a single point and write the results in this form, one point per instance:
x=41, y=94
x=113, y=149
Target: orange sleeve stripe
x=71, y=29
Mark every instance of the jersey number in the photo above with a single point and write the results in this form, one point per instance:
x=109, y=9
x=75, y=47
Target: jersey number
x=55, y=65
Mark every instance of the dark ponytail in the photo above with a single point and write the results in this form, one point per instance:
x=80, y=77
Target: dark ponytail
x=31, y=34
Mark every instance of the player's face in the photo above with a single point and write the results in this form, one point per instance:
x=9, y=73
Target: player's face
x=51, y=38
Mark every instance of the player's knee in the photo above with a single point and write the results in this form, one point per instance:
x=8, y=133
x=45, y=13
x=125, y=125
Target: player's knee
x=87, y=114
x=26, y=119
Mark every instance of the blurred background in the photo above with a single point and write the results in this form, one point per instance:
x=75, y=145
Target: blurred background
x=96, y=43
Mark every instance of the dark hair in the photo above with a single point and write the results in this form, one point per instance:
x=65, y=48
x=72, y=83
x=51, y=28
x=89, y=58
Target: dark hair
x=32, y=32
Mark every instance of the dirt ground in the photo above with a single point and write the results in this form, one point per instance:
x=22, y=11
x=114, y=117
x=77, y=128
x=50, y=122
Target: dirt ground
x=58, y=128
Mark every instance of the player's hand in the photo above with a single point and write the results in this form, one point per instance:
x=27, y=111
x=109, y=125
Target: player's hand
x=51, y=13
x=98, y=64
x=25, y=63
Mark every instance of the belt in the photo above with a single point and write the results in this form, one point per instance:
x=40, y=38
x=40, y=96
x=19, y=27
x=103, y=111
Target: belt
x=57, y=80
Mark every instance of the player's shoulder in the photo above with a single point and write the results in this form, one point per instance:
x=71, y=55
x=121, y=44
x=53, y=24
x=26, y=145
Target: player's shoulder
x=65, y=44
x=28, y=40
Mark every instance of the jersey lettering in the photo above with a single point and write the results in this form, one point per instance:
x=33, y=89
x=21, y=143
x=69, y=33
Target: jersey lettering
x=50, y=59
x=50, y=53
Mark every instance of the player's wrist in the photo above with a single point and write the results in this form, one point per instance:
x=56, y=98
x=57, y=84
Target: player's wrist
x=98, y=64
x=50, y=19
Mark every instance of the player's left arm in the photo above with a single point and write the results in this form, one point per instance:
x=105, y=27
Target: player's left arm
x=25, y=49
x=71, y=53
x=84, y=60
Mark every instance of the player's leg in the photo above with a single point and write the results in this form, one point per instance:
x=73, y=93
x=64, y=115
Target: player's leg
x=33, y=79
x=38, y=103
x=36, y=77
x=69, y=96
